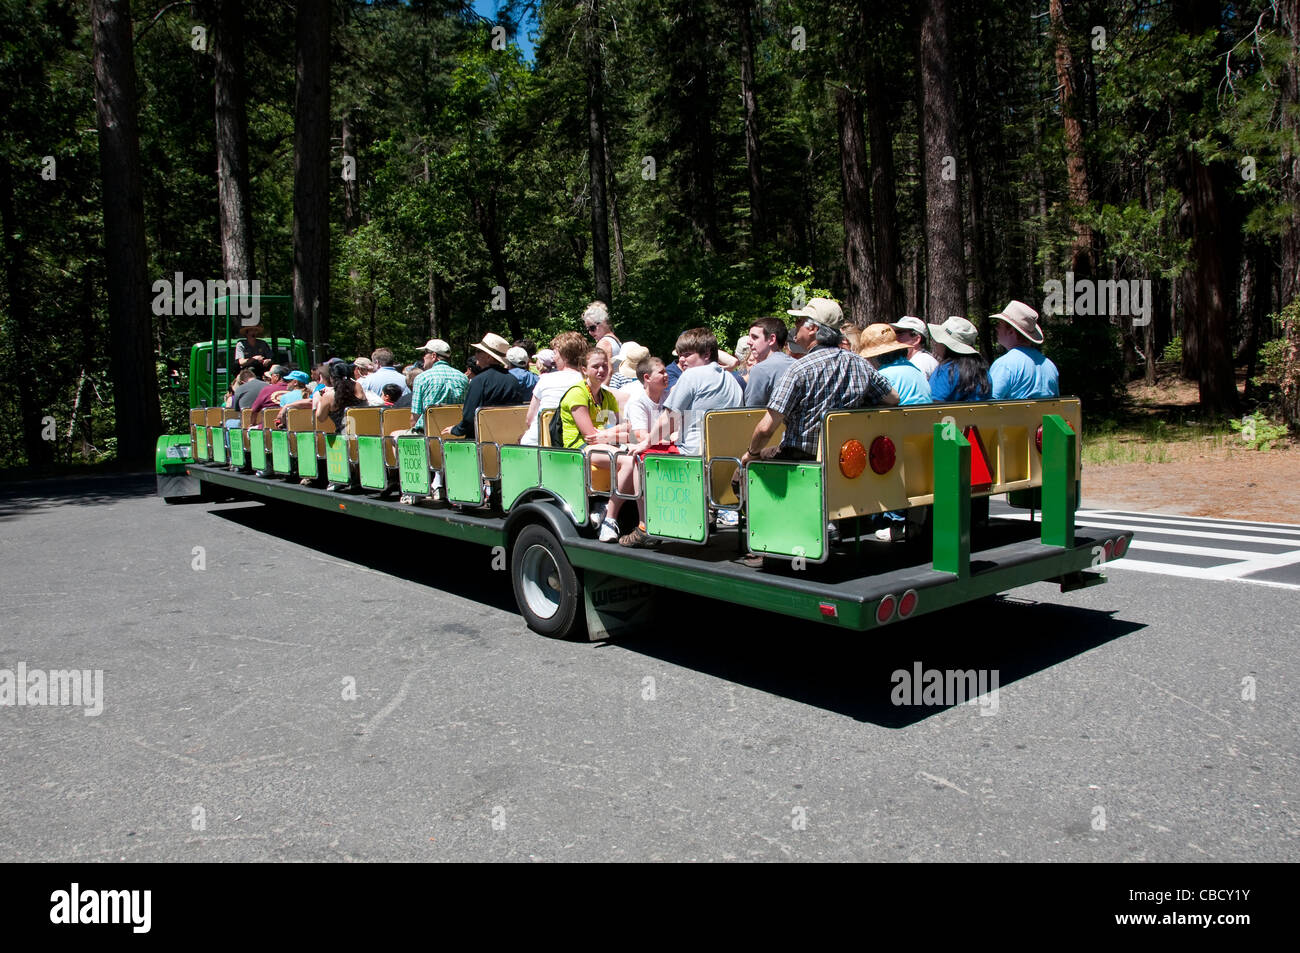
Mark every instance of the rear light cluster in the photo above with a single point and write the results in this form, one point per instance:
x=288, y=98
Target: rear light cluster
x=892, y=606
x=1114, y=548
x=1038, y=436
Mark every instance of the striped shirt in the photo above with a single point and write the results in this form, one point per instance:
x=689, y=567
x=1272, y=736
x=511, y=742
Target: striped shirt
x=440, y=384
x=829, y=378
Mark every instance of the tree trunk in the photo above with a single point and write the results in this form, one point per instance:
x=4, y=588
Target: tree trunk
x=1290, y=154
x=1081, y=255
x=311, y=169
x=485, y=215
x=596, y=149
x=749, y=97
x=859, y=304
x=131, y=359
x=945, y=265
x=620, y=264
x=24, y=340
x=352, y=181
x=234, y=204
x=884, y=200
x=1207, y=344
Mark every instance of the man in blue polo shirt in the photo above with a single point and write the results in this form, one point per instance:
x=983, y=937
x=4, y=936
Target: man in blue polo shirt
x=1022, y=373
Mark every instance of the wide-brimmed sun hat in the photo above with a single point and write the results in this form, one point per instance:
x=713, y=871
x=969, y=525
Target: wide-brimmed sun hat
x=495, y=346
x=957, y=335
x=1023, y=318
x=877, y=339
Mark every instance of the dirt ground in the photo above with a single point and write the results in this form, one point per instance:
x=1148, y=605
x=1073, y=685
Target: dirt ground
x=1222, y=482
x=1226, y=484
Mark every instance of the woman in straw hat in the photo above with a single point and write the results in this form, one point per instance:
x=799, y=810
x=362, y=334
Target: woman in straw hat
x=881, y=346
x=962, y=374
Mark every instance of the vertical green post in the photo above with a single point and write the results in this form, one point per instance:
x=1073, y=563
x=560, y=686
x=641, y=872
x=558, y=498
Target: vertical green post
x=1060, y=492
x=951, y=515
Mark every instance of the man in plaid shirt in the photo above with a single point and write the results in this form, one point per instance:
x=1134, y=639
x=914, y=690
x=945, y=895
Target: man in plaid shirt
x=827, y=378
x=439, y=383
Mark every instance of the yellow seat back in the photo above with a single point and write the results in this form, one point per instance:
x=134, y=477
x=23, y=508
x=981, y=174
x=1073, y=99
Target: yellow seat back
x=727, y=433
x=497, y=425
x=437, y=419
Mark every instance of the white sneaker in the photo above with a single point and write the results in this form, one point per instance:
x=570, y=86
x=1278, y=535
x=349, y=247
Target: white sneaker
x=609, y=531
x=598, y=514
x=883, y=535
x=728, y=518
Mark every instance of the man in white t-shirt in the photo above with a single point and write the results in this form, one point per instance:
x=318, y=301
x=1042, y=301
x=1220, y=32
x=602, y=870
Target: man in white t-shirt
x=703, y=386
x=570, y=353
x=913, y=332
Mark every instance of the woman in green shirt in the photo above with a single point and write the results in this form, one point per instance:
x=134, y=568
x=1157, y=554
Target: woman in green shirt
x=589, y=420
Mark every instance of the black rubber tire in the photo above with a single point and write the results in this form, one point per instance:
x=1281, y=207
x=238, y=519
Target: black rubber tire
x=536, y=549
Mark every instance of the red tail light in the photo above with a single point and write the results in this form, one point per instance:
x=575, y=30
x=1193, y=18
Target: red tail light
x=883, y=455
x=907, y=604
x=885, y=611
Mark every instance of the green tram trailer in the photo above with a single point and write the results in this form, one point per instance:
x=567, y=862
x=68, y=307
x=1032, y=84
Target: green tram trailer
x=939, y=463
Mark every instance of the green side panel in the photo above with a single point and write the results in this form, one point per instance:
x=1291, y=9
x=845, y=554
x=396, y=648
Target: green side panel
x=787, y=509
x=1060, y=490
x=201, y=447
x=336, y=458
x=217, y=438
x=306, y=447
x=460, y=464
x=413, y=465
x=280, y=451
x=172, y=452
x=951, y=515
x=237, y=456
x=519, y=473
x=257, y=448
x=370, y=456
x=563, y=473
x=675, y=503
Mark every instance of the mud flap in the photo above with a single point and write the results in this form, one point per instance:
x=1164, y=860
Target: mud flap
x=616, y=606
x=172, y=486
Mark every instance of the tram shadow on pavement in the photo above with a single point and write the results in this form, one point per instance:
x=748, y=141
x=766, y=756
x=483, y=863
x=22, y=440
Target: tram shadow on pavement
x=849, y=673
x=857, y=674
x=454, y=567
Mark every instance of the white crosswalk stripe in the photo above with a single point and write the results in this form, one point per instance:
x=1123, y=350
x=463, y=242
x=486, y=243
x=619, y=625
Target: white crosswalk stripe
x=1266, y=554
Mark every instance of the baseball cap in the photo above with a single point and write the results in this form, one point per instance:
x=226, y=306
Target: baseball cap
x=909, y=323
x=824, y=311
x=298, y=376
x=437, y=346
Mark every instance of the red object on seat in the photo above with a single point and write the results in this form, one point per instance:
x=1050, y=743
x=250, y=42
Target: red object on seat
x=981, y=477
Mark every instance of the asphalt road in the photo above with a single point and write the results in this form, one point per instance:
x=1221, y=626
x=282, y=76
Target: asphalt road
x=228, y=732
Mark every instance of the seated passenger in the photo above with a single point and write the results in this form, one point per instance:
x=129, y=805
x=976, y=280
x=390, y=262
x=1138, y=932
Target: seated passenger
x=589, y=421
x=624, y=374
x=880, y=345
x=567, y=353
x=912, y=332
x=1022, y=373
x=391, y=394
x=642, y=412
x=963, y=374
x=343, y=392
x=492, y=386
x=518, y=358
x=702, y=386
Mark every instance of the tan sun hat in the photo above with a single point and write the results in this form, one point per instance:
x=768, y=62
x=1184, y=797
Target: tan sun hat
x=824, y=311
x=494, y=345
x=879, y=339
x=1023, y=318
x=632, y=355
x=957, y=335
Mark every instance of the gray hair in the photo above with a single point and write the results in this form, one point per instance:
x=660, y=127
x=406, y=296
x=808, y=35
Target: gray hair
x=828, y=337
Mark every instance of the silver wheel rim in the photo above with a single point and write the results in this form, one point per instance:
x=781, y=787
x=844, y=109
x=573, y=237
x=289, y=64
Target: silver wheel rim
x=541, y=581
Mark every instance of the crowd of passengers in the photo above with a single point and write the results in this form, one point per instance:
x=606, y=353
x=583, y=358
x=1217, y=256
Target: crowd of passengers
x=618, y=403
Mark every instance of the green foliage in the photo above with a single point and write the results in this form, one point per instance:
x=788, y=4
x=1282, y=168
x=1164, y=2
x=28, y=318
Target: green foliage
x=1257, y=431
x=1173, y=352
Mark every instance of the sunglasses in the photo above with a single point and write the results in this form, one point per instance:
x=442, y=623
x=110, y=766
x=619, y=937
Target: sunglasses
x=592, y=327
